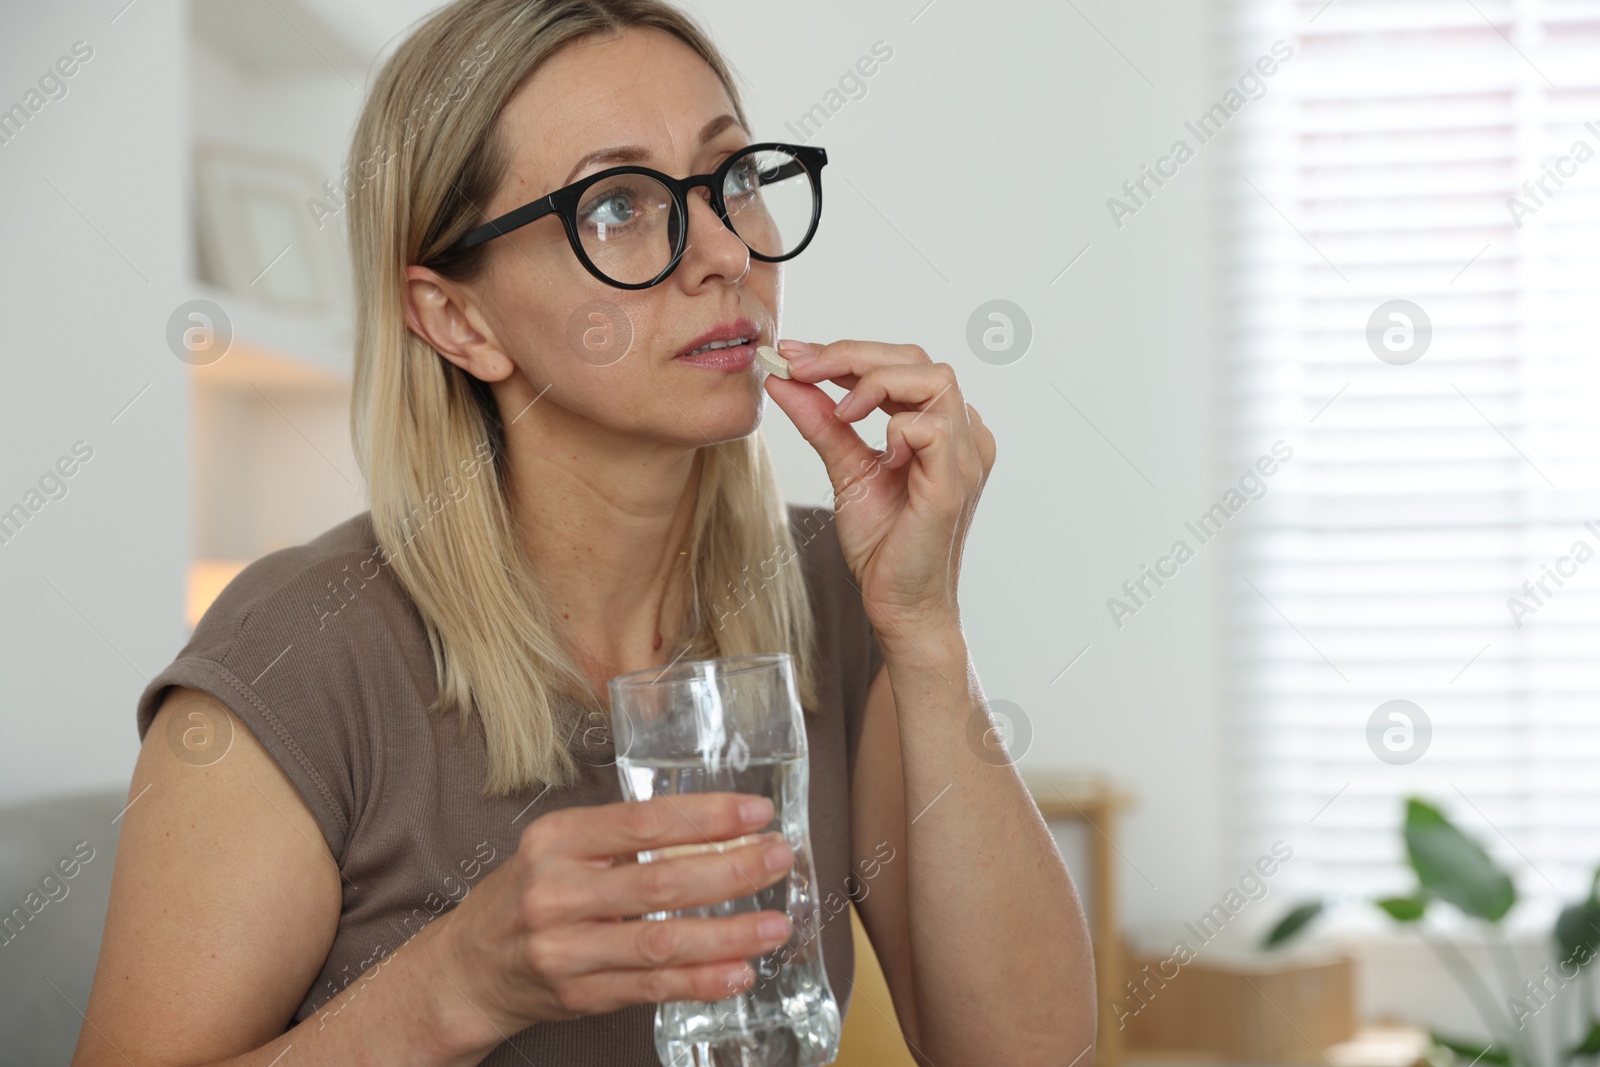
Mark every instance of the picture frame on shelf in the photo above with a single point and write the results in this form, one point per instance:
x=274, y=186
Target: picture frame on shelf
x=255, y=234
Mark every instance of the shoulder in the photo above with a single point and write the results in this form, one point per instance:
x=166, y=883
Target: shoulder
x=286, y=588
x=297, y=647
x=292, y=597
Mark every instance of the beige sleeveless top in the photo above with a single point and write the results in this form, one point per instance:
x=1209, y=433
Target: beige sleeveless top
x=321, y=654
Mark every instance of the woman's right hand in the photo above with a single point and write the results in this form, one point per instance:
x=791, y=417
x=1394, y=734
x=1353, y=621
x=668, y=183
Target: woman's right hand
x=541, y=937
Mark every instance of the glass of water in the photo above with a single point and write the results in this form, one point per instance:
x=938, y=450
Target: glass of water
x=734, y=725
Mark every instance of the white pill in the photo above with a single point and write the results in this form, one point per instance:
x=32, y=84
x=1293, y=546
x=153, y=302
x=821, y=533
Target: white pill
x=772, y=361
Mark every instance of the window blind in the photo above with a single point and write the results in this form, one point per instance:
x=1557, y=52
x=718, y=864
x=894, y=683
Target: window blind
x=1405, y=152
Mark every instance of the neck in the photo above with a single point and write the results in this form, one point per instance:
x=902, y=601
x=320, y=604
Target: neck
x=604, y=523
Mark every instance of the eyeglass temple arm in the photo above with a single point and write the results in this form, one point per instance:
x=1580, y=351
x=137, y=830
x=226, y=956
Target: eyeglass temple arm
x=511, y=220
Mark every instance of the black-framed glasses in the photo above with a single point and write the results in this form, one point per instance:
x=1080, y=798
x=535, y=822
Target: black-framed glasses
x=628, y=225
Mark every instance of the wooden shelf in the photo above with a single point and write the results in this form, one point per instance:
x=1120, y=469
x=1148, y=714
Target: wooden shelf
x=272, y=459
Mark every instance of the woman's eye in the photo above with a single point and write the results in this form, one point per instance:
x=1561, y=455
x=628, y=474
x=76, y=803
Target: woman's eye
x=744, y=178
x=612, y=208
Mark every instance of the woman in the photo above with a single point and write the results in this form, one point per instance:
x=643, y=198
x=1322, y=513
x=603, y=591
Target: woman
x=375, y=818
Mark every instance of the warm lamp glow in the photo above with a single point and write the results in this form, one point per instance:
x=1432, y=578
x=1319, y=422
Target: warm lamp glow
x=207, y=578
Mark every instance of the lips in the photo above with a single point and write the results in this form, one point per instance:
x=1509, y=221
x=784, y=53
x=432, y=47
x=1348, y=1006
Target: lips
x=723, y=333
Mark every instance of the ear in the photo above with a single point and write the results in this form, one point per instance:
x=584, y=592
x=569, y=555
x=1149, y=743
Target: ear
x=447, y=316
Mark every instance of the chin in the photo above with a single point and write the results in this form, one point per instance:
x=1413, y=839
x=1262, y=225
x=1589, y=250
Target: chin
x=728, y=418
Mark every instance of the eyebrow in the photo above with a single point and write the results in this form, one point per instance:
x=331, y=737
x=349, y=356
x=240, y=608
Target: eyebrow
x=633, y=153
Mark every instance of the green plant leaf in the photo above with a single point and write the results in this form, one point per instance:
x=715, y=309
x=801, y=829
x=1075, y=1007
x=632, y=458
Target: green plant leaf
x=1453, y=867
x=1404, y=909
x=1577, y=932
x=1474, y=1051
x=1589, y=1046
x=1293, y=923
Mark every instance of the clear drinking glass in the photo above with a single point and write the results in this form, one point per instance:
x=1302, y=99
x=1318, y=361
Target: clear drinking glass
x=734, y=724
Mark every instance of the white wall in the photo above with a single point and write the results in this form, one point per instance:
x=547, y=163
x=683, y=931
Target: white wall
x=95, y=258
x=991, y=141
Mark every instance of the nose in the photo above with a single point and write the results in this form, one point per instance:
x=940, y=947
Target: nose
x=713, y=249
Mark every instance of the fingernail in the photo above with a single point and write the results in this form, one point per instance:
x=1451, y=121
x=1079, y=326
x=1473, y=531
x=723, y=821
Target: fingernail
x=798, y=353
x=772, y=928
x=777, y=857
x=756, y=811
x=839, y=408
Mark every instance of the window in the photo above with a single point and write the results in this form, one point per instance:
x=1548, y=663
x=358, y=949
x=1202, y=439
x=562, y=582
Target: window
x=1444, y=153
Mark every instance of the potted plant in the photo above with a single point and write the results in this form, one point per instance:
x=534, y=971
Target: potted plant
x=1453, y=869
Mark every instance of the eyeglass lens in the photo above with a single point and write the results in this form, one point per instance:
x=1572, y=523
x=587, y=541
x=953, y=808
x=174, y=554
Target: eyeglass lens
x=628, y=224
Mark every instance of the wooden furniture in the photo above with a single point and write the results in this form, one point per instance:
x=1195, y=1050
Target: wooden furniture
x=1243, y=1008
x=872, y=1034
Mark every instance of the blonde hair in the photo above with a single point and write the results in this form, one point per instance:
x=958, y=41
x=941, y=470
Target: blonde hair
x=423, y=428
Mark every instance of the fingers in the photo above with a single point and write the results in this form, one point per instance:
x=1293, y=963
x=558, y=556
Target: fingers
x=986, y=442
x=843, y=362
x=588, y=948
x=913, y=387
x=811, y=410
x=606, y=830
x=609, y=990
x=894, y=378
x=929, y=437
x=930, y=421
x=665, y=885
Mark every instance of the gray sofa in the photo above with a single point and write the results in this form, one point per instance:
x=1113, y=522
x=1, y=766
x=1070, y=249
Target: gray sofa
x=55, y=881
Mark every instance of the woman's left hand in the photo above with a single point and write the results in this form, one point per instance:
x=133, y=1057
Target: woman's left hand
x=902, y=513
